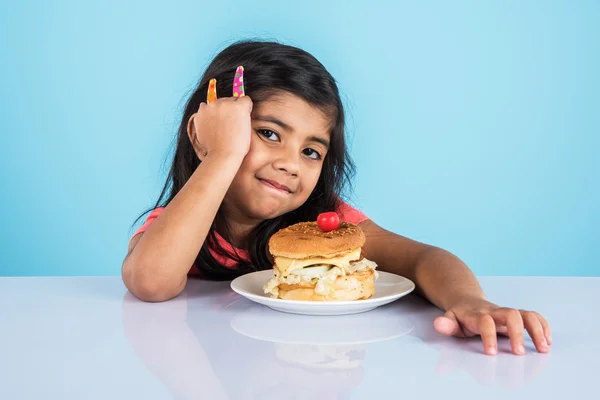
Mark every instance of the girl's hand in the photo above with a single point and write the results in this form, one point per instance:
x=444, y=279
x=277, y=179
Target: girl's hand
x=472, y=317
x=222, y=127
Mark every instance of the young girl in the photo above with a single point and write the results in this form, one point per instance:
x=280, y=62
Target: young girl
x=261, y=146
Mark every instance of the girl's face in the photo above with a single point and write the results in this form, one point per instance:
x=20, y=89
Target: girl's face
x=290, y=139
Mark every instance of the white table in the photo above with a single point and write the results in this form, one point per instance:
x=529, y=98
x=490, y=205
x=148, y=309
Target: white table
x=88, y=338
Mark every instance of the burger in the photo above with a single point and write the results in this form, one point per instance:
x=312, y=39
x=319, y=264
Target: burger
x=315, y=261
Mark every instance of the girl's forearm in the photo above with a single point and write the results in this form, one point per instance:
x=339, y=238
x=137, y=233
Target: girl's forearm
x=444, y=279
x=156, y=268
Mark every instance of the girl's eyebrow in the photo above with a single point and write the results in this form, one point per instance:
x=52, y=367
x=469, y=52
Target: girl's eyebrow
x=283, y=125
x=276, y=121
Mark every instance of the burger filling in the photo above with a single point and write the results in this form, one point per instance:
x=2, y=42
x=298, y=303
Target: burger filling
x=319, y=271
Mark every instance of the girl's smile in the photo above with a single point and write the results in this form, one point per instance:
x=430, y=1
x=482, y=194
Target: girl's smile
x=276, y=186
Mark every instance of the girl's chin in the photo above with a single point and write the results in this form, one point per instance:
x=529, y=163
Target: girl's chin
x=264, y=214
x=269, y=210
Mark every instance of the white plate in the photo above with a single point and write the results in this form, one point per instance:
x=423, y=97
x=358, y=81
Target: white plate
x=388, y=288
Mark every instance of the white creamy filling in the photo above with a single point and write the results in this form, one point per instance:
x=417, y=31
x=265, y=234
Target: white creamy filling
x=360, y=265
x=326, y=275
x=325, y=284
x=271, y=287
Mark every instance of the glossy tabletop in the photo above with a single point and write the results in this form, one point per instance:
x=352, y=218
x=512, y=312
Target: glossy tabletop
x=88, y=338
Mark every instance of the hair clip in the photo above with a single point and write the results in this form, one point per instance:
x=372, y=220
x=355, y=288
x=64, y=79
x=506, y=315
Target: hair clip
x=238, y=82
x=212, y=91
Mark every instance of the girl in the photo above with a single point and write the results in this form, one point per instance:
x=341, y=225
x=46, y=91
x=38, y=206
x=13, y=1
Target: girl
x=273, y=154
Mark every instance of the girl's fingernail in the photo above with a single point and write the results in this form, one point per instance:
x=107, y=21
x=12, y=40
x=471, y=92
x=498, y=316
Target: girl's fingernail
x=492, y=350
x=521, y=349
x=238, y=82
x=549, y=339
x=212, y=91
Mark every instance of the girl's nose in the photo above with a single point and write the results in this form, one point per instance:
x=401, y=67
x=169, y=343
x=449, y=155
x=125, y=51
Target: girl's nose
x=288, y=161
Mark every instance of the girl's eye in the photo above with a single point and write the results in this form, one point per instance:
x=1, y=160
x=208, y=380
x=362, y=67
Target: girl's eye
x=312, y=153
x=269, y=134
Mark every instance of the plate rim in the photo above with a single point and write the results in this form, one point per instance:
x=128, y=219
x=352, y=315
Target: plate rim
x=336, y=304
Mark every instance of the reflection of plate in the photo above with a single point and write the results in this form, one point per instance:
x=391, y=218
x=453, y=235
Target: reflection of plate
x=388, y=288
x=258, y=323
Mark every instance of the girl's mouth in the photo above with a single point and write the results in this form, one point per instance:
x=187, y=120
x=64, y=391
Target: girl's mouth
x=275, y=186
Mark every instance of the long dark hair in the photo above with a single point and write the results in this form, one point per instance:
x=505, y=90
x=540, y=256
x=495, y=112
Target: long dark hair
x=269, y=68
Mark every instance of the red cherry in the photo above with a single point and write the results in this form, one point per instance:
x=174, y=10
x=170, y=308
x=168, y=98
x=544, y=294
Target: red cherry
x=328, y=221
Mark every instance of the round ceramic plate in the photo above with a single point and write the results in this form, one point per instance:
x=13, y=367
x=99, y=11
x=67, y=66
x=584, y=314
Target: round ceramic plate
x=388, y=288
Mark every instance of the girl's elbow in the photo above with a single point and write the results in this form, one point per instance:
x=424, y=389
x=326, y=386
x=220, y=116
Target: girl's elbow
x=154, y=293
x=148, y=288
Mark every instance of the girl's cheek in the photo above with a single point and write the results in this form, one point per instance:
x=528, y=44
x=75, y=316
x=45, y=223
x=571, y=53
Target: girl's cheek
x=257, y=149
x=311, y=180
x=255, y=153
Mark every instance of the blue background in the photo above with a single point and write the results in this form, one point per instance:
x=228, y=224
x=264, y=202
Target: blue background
x=474, y=126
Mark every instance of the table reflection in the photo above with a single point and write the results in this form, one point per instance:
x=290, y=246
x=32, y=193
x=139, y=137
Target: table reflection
x=222, y=346
x=211, y=343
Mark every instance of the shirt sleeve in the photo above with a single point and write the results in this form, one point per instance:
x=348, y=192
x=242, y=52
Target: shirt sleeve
x=350, y=214
x=148, y=221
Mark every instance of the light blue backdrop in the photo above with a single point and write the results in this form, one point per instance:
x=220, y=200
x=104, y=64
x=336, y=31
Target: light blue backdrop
x=474, y=125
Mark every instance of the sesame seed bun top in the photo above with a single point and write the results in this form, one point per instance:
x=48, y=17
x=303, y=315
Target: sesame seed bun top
x=306, y=239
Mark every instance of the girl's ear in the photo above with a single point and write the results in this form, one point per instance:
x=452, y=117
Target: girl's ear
x=191, y=129
x=192, y=135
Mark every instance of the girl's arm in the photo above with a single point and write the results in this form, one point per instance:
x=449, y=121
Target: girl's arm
x=438, y=275
x=448, y=283
x=158, y=260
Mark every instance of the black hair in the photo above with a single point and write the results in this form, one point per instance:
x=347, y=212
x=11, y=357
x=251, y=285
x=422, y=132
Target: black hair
x=269, y=69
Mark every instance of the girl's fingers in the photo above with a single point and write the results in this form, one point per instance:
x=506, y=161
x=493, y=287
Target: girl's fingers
x=238, y=83
x=238, y=86
x=545, y=326
x=507, y=321
x=448, y=325
x=212, y=91
x=487, y=331
x=513, y=321
x=536, y=331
